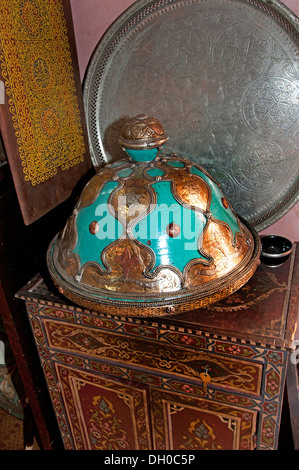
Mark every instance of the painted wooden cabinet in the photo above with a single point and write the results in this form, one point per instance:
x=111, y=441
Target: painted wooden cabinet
x=207, y=379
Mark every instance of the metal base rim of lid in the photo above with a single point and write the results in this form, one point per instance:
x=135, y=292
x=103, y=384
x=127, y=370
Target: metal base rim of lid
x=220, y=290
x=274, y=265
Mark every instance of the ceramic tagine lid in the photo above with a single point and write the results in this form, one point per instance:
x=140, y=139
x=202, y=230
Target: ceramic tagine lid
x=151, y=235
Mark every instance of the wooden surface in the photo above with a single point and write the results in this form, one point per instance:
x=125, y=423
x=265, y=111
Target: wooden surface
x=97, y=365
x=264, y=310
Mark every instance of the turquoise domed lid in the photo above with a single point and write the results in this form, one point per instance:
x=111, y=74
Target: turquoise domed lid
x=152, y=234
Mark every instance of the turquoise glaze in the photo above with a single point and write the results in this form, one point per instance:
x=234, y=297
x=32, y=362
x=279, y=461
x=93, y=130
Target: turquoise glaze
x=89, y=247
x=151, y=230
x=154, y=172
x=124, y=173
x=144, y=155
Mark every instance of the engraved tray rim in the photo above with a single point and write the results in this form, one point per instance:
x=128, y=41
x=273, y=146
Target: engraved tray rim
x=114, y=35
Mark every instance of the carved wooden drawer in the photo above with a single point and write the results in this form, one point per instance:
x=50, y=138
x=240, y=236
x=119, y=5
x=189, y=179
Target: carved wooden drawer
x=164, y=356
x=119, y=383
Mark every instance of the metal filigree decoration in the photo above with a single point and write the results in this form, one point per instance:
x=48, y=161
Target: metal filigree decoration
x=143, y=131
x=152, y=233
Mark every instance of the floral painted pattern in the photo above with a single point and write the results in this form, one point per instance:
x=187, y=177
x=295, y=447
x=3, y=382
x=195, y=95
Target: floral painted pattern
x=105, y=427
x=200, y=436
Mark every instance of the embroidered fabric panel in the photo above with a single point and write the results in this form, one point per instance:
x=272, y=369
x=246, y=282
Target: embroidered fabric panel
x=37, y=68
x=42, y=108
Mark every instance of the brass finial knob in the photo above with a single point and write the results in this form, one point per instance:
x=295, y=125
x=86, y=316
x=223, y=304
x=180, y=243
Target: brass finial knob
x=142, y=132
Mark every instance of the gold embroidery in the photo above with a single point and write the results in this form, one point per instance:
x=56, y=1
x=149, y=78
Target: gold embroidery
x=37, y=69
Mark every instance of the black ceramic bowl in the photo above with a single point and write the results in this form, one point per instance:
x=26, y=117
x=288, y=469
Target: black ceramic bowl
x=275, y=250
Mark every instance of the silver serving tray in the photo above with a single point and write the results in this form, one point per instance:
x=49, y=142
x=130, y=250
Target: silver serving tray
x=223, y=77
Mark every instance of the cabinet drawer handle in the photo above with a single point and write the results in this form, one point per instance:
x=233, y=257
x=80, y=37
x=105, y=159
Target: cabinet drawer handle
x=206, y=378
